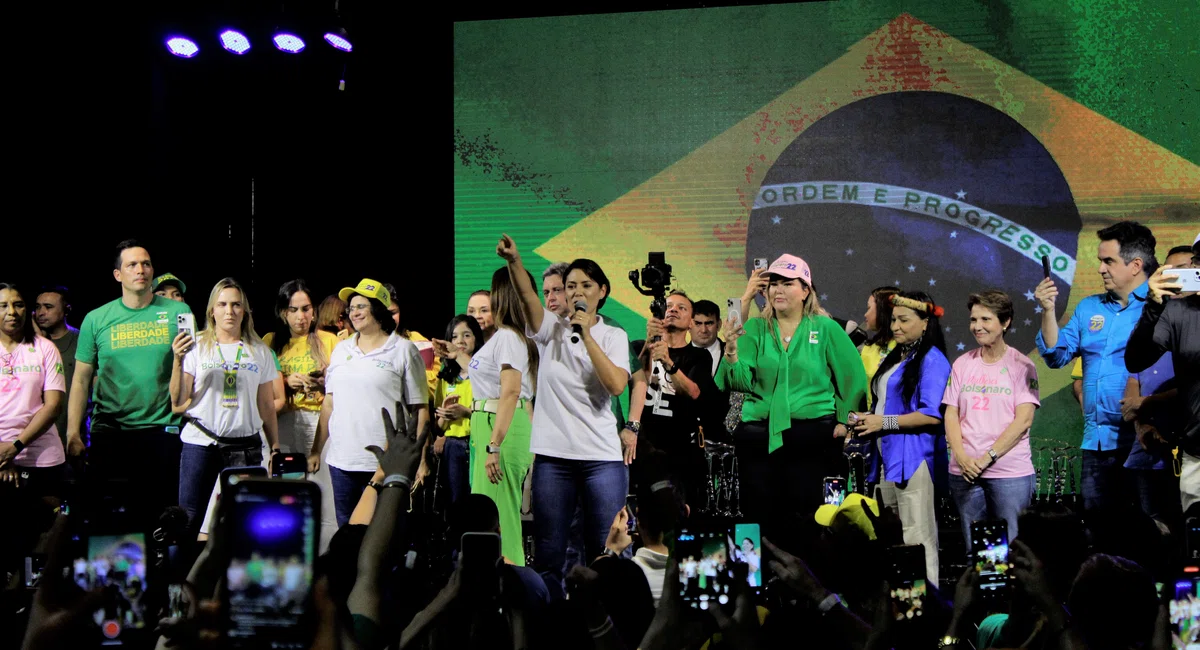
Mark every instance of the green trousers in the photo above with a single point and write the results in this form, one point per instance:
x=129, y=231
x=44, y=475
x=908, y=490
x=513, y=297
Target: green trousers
x=515, y=461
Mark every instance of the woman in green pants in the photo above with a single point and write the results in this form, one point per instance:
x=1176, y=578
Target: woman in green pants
x=503, y=374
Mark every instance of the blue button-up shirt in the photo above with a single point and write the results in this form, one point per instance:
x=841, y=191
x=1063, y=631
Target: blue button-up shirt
x=1098, y=332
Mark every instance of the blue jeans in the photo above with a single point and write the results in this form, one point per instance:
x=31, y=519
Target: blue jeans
x=991, y=498
x=347, y=490
x=199, y=467
x=558, y=484
x=457, y=456
x=1104, y=479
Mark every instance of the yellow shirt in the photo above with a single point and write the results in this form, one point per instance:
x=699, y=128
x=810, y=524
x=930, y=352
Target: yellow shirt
x=1077, y=369
x=872, y=356
x=296, y=358
x=458, y=428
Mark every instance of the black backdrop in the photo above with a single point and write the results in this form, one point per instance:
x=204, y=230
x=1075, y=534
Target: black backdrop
x=114, y=138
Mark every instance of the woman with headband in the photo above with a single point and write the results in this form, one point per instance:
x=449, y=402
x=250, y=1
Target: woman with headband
x=907, y=418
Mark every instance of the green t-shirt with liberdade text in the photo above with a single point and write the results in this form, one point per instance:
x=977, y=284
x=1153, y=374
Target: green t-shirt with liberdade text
x=130, y=350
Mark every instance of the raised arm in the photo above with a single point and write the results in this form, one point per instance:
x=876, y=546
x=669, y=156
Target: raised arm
x=534, y=312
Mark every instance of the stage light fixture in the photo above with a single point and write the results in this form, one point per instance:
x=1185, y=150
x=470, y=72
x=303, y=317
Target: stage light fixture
x=289, y=43
x=235, y=41
x=338, y=40
x=182, y=47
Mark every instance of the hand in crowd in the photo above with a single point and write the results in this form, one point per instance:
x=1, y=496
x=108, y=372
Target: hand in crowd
x=731, y=332
x=75, y=446
x=840, y=431
x=795, y=574
x=971, y=467
x=492, y=466
x=867, y=424
x=314, y=463
x=9, y=476
x=451, y=411
x=675, y=625
x=1045, y=293
x=739, y=631
x=1030, y=575
x=618, y=533
x=8, y=451
x=628, y=445
x=584, y=321
x=1130, y=407
x=182, y=344
x=439, y=445
x=61, y=613
x=302, y=383
x=654, y=327
x=404, y=446
x=757, y=284
x=660, y=352
x=507, y=249
x=1162, y=287
x=1149, y=438
x=444, y=350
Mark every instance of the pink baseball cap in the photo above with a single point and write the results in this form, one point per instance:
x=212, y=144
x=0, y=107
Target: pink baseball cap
x=792, y=267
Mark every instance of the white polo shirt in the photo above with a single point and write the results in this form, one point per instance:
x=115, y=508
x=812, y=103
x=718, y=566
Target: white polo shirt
x=205, y=364
x=363, y=384
x=573, y=415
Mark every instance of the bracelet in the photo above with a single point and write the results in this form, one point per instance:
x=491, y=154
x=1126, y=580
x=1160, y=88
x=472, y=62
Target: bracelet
x=397, y=480
x=18, y=445
x=635, y=427
x=830, y=601
x=604, y=628
x=375, y=486
x=891, y=423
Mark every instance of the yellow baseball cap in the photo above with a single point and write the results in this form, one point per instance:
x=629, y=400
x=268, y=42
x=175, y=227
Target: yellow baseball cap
x=852, y=510
x=367, y=288
x=167, y=278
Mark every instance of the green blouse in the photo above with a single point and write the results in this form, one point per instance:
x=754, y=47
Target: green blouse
x=819, y=374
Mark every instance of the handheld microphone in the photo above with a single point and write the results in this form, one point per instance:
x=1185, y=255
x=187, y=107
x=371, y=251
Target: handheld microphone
x=576, y=328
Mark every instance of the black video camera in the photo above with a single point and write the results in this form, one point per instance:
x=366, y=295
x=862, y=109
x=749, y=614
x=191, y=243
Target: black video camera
x=654, y=280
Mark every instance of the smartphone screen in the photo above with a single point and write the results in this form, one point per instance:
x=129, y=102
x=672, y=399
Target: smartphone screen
x=631, y=507
x=293, y=466
x=115, y=564
x=703, y=574
x=835, y=490
x=176, y=601
x=907, y=587
x=34, y=565
x=989, y=546
x=746, y=548
x=272, y=528
x=1184, y=612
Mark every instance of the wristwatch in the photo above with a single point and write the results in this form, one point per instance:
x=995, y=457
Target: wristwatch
x=635, y=427
x=994, y=455
x=493, y=449
x=947, y=642
x=608, y=552
x=18, y=445
x=377, y=487
x=672, y=370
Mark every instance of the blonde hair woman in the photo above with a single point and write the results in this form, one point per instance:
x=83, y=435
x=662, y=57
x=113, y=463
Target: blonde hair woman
x=222, y=382
x=802, y=376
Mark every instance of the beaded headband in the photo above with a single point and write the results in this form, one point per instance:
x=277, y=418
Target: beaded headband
x=917, y=305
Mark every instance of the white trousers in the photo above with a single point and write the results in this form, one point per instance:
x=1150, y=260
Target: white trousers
x=914, y=504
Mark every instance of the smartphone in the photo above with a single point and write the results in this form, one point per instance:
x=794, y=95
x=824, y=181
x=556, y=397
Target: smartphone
x=1184, y=610
x=746, y=547
x=479, y=559
x=291, y=466
x=35, y=564
x=1046, y=266
x=273, y=532
x=1188, y=278
x=230, y=476
x=989, y=548
x=1191, y=538
x=704, y=577
x=835, y=490
x=760, y=263
x=907, y=587
x=186, y=324
x=115, y=564
x=733, y=307
x=177, y=606
x=631, y=506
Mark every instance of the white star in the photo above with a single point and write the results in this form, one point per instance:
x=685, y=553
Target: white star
x=1037, y=309
x=960, y=346
x=849, y=251
x=947, y=328
x=932, y=282
x=1012, y=330
x=1028, y=322
x=1029, y=295
x=776, y=219
x=961, y=194
x=897, y=283
x=953, y=234
x=911, y=268
x=824, y=296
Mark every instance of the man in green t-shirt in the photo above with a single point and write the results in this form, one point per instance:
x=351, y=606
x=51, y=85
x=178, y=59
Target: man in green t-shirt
x=123, y=359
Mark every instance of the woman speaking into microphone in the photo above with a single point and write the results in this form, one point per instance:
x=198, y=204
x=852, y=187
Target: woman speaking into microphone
x=584, y=363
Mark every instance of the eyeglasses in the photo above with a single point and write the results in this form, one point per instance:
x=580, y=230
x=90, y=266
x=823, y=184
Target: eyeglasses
x=359, y=307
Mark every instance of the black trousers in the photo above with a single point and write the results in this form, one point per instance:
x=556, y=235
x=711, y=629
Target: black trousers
x=782, y=490
x=132, y=475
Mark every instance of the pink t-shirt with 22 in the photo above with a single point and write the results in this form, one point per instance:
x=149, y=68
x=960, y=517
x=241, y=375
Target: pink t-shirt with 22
x=987, y=395
x=24, y=376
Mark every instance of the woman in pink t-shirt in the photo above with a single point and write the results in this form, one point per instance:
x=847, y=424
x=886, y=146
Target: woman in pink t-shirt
x=32, y=386
x=990, y=401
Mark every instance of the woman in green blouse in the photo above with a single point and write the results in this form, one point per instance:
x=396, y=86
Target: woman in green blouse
x=802, y=375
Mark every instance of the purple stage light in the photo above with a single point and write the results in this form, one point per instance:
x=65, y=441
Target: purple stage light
x=235, y=41
x=289, y=43
x=338, y=42
x=182, y=47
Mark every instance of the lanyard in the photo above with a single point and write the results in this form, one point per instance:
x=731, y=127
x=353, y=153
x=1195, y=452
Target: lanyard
x=229, y=398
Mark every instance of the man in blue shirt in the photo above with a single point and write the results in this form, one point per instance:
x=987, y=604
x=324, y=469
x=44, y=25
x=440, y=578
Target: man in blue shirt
x=1098, y=332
